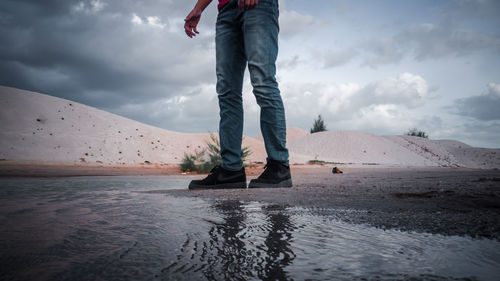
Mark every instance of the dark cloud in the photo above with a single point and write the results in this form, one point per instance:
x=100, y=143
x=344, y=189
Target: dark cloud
x=381, y=51
x=480, y=134
x=484, y=107
x=473, y=132
x=177, y=112
x=428, y=41
x=460, y=10
x=337, y=58
x=91, y=52
x=458, y=28
x=30, y=9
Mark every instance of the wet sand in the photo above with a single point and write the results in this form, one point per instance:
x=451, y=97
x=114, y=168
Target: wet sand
x=49, y=171
x=152, y=227
x=450, y=201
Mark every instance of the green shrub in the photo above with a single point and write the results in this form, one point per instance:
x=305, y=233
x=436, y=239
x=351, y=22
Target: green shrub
x=188, y=163
x=204, y=167
x=417, y=133
x=318, y=125
x=245, y=152
x=314, y=162
x=198, y=162
x=213, y=150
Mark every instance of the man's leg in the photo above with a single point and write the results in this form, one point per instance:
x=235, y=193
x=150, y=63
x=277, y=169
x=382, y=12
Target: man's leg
x=230, y=68
x=231, y=63
x=260, y=29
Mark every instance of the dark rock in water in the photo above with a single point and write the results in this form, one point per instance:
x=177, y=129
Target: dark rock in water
x=335, y=170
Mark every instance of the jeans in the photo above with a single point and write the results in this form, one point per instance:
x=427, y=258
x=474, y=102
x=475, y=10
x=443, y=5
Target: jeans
x=249, y=37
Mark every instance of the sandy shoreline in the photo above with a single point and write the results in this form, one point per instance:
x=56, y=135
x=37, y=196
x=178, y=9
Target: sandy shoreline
x=33, y=170
x=36, y=170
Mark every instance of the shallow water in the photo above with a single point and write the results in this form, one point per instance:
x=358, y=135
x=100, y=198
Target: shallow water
x=119, y=228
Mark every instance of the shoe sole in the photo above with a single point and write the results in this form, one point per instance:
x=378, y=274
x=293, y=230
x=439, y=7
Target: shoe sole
x=285, y=183
x=233, y=185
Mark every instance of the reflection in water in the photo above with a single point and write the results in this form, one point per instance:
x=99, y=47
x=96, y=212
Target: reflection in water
x=101, y=228
x=279, y=252
x=234, y=249
x=235, y=261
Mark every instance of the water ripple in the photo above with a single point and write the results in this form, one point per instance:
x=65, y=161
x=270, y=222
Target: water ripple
x=91, y=229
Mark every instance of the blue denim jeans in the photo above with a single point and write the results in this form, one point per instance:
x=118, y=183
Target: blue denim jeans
x=249, y=37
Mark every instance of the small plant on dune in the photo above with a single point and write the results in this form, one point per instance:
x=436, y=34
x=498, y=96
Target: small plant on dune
x=204, y=167
x=417, y=133
x=318, y=125
x=319, y=162
x=245, y=152
x=188, y=163
x=209, y=157
x=213, y=150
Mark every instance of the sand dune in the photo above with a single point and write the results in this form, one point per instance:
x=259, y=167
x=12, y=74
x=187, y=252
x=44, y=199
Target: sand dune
x=292, y=134
x=41, y=129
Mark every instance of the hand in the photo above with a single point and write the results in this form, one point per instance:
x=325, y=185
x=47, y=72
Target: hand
x=191, y=21
x=245, y=5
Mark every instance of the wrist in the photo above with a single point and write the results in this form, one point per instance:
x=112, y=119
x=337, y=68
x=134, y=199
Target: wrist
x=201, y=5
x=197, y=11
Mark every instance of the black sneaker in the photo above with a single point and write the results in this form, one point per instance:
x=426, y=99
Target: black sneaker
x=221, y=178
x=275, y=175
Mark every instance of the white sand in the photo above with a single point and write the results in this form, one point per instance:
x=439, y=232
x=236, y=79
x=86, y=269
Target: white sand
x=292, y=134
x=41, y=129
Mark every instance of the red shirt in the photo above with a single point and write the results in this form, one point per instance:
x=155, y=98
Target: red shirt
x=222, y=3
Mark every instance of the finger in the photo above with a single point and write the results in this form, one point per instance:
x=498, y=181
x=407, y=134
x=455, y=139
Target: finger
x=195, y=30
x=252, y=4
x=188, y=31
x=241, y=4
x=248, y=4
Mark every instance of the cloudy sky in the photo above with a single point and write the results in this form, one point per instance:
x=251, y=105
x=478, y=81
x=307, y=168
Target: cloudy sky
x=380, y=66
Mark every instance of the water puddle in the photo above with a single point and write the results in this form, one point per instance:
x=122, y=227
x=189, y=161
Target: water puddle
x=102, y=228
